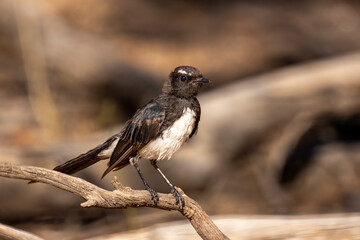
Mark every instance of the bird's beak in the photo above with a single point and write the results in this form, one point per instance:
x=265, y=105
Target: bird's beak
x=202, y=80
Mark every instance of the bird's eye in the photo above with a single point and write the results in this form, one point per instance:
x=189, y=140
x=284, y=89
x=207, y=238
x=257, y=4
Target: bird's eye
x=183, y=78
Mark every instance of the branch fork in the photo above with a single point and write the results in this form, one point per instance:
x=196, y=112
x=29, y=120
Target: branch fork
x=121, y=197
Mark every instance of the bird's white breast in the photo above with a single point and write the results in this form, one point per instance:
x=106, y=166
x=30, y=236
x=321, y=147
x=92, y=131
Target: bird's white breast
x=171, y=139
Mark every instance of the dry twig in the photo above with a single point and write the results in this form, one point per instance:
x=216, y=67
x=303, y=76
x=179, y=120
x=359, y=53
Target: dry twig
x=10, y=233
x=122, y=197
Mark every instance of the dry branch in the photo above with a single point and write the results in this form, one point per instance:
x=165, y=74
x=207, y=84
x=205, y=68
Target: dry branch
x=10, y=233
x=122, y=197
x=255, y=227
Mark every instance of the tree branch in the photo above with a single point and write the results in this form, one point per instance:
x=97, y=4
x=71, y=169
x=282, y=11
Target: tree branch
x=121, y=197
x=10, y=233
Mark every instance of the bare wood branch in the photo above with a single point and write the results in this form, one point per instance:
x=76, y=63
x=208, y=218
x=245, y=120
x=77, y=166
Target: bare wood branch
x=122, y=197
x=254, y=227
x=10, y=233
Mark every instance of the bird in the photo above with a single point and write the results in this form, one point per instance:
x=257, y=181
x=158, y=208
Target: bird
x=155, y=132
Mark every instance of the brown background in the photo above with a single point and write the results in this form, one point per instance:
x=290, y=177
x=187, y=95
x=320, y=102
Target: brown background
x=280, y=127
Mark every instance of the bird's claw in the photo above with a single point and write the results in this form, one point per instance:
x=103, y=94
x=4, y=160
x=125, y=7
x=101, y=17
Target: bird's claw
x=179, y=198
x=154, y=194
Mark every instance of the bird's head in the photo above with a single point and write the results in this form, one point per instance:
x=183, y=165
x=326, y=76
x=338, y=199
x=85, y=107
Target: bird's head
x=185, y=81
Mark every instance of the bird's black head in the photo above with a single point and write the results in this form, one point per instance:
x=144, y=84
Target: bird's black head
x=185, y=81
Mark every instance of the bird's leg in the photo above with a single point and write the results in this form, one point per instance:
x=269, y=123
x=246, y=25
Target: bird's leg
x=177, y=195
x=153, y=193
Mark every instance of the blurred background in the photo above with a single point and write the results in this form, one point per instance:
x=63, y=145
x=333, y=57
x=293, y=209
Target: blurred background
x=280, y=126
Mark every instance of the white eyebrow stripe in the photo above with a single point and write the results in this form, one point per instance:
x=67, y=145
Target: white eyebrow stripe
x=182, y=71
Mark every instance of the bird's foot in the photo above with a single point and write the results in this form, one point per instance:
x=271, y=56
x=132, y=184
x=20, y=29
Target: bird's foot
x=179, y=198
x=153, y=193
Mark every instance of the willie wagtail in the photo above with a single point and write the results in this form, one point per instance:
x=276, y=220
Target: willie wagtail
x=155, y=132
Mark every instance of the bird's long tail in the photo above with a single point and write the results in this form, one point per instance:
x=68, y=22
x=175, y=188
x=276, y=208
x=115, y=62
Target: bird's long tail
x=85, y=160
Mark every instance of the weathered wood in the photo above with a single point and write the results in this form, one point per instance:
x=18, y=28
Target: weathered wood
x=322, y=227
x=122, y=197
x=10, y=233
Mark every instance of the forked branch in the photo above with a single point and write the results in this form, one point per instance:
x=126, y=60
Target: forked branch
x=121, y=197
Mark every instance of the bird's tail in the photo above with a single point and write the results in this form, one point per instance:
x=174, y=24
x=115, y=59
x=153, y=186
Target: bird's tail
x=85, y=160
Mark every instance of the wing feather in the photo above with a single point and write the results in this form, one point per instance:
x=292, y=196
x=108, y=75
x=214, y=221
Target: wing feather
x=141, y=129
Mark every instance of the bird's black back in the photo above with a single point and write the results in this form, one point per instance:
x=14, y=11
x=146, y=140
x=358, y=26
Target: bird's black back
x=147, y=124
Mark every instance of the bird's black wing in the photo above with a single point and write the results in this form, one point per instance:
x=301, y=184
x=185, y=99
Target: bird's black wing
x=195, y=105
x=139, y=130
